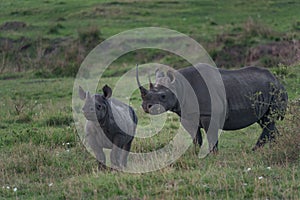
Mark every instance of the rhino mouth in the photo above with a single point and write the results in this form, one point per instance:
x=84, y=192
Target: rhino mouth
x=156, y=109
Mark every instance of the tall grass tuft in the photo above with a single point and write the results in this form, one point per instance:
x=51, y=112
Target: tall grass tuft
x=90, y=36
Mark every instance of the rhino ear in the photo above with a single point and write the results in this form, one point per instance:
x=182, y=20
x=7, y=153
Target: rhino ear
x=82, y=93
x=159, y=74
x=107, y=92
x=171, y=76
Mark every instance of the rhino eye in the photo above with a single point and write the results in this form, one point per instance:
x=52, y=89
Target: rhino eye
x=163, y=96
x=99, y=107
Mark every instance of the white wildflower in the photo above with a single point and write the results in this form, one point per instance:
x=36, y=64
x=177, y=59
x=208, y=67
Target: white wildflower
x=260, y=177
x=15, y=189
x=50, y=184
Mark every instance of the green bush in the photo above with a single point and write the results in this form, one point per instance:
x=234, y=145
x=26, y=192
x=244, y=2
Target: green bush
x=286, y=149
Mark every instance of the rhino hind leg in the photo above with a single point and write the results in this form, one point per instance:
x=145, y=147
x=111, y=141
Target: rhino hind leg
x=268, y=134
x=101, y=166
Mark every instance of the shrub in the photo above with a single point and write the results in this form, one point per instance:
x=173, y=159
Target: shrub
x=55, y=29
x=286, y=149
x=281, y=71
x=90, y=36
x=254, y=28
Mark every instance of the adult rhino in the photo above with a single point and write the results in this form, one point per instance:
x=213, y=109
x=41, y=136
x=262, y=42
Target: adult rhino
x=251, y=95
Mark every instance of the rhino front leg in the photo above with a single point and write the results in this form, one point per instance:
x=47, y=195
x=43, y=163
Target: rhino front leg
x=198, y=138
x=115, y=156
x=116, y=152
x=125, y=153
x=191, y=127
x=211, y=129
x=197, y=141
x=101, y=159
x=100, y=156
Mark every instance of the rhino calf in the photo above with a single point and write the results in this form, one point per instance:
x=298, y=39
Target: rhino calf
x=110, y=124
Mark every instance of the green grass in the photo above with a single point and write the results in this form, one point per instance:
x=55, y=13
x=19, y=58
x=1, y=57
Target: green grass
x=41, y=154
x=80, y=26
x=199, y=18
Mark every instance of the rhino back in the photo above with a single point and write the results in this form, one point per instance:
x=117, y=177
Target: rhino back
x=249, y=95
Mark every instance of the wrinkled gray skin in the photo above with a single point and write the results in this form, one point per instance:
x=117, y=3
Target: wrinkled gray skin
x=253, y=95
x=110, y=124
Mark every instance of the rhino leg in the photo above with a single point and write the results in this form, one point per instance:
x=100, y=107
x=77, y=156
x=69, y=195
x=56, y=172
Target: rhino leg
x=101, y=166
x=211, y=131
x=101, y=159
x=191, y=127
x=198, y=138
x=125, y=153
x=116, y=152
x=268, y=134
x=115, y=156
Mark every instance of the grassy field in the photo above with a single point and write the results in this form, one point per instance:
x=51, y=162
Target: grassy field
x=203, y=18
x=41, y=155
x=43, y=158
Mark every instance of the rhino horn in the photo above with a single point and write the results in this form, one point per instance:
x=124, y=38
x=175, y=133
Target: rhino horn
x=88, y=96
x=143, y=90
x=150, y=83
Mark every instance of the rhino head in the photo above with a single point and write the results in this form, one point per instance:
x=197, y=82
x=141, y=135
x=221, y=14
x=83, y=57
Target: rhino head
x=96, y=106
x=159, y=98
